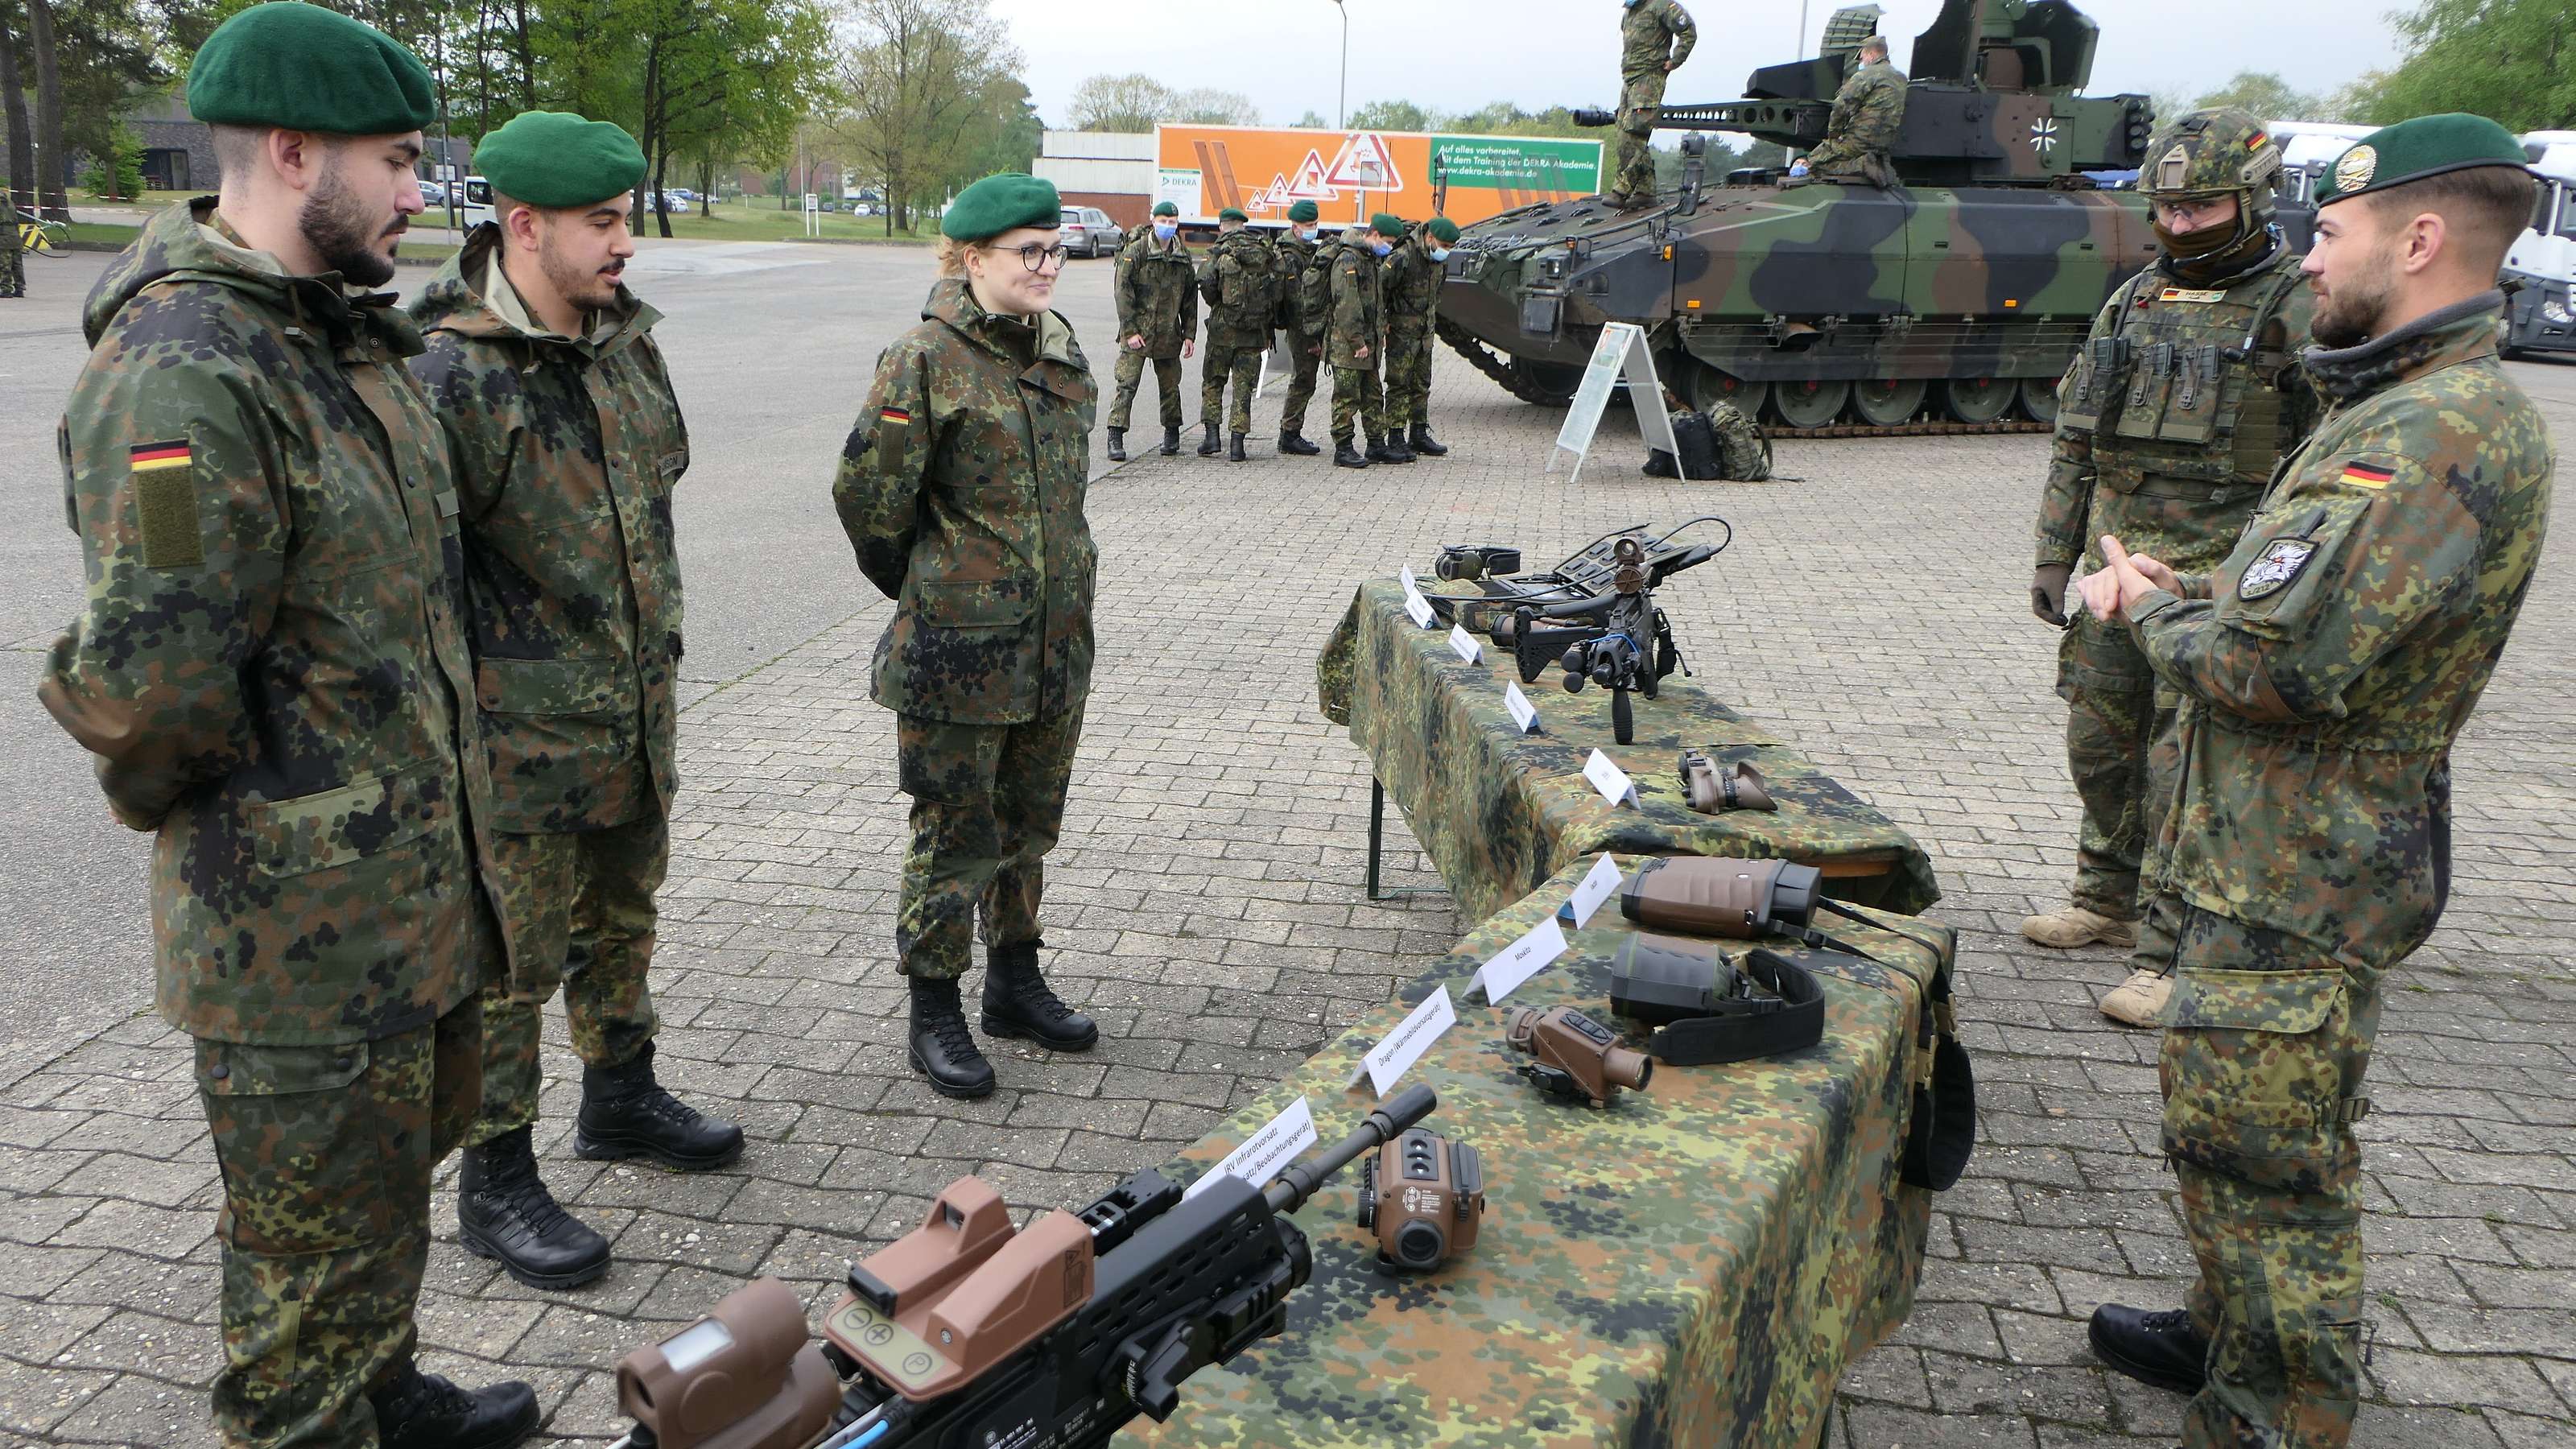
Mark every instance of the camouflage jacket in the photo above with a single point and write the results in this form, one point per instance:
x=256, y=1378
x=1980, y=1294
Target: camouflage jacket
x=1409, y=289
x=565, y=453
x=1654, y=36
x=1867, y=110
x=1240, y=280
x=962, y=489
x=271, y=667
x=1158, y=295
x=2167, y=429
x=1293, y=254
x=1357, y=321
x=2330, y=661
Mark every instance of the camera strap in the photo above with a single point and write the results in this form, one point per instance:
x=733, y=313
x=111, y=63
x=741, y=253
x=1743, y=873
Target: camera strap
x=1742, y=1028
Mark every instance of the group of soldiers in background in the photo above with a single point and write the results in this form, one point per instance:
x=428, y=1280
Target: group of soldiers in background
x=1363, y=303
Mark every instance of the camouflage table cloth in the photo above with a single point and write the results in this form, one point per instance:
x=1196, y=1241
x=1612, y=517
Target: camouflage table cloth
x=1694, y=1265
x=1499, y=811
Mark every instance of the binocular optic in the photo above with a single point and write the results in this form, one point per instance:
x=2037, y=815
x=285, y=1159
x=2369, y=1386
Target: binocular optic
x=1573, y=1056
x=1475, y=561
x=1712, y=788
x=1424, y=1196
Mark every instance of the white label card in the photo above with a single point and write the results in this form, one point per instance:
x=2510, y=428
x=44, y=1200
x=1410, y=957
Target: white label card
x=1524, y=713
x=1264, y=1152
x=1392, y=1057
x=1405, y=577
x=1465, y=644
x=1610, y=780
x=1520, y=961
x=1598, y=883
x=1420, y=608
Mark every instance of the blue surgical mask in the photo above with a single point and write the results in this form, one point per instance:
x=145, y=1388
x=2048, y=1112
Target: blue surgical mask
x=1309, y=233
x=1380, y=246
x=1163, y=230
x=1439, y=254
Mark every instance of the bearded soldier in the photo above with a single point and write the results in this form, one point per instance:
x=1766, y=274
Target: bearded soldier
x=2326, y=665
x=2185, y=399
x=1655, y=37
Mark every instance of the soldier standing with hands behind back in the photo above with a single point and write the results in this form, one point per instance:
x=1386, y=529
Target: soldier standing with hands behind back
x=272, y=675
x=1158, y=321
x=1655, y=37
x=1240, y=281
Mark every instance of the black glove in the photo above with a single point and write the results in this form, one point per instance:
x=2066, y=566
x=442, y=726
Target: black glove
x=2048, y=592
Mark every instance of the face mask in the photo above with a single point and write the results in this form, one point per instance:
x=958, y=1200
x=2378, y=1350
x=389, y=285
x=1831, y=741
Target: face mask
x=1309, y=233
x=2194, y=246
x=1381, y=246
x=1439, y=254
x=1163, y=232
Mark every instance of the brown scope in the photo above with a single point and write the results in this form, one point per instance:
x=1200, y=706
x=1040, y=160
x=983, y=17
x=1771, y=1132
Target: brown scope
x=1574, y=1056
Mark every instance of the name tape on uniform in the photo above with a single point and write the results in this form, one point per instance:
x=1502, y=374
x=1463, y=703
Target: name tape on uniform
x=1524, y=713
x=1395, y=1054
x=1610, y=780
x=1520, y=961
x=1264, y=1152
x=1466, y=645
x=1595, y=887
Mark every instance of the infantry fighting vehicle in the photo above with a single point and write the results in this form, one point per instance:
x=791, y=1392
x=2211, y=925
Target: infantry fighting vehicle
x=1950, y=303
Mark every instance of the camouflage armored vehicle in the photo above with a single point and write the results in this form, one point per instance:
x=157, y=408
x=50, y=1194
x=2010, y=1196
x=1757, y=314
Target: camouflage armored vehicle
x=1959, y=296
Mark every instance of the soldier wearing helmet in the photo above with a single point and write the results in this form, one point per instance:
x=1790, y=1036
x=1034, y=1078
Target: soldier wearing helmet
x=2182, y=403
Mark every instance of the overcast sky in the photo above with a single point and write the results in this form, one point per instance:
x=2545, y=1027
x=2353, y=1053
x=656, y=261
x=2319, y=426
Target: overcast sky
x=1456, y=55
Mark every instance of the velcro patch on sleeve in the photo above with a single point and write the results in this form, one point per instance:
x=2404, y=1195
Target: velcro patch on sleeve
x=2274, y=568
x=165, y=504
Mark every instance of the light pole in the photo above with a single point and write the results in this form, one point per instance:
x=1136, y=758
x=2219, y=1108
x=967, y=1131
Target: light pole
x=1802, y=27
x=1341, y=103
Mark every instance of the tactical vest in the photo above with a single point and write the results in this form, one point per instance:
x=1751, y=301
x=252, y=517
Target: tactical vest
x=2186, y=386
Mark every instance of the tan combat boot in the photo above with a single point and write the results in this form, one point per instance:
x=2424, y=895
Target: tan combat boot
x=2068, y=927
x=2140, y=1000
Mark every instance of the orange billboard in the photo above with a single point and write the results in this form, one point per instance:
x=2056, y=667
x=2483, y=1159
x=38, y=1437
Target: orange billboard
x=1264, y=170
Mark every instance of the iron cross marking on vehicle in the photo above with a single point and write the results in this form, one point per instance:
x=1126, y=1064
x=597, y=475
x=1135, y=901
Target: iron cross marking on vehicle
x=2043, y=134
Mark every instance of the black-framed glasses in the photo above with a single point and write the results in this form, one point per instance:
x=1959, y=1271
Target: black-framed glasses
x=1035, y=257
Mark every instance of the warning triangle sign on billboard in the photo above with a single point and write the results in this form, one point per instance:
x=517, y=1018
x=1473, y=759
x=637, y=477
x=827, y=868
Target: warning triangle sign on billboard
x=1366, y=163
x=1310, y=184
x=1273, y=197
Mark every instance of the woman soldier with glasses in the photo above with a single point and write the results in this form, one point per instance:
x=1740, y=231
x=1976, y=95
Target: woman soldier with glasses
x=961, y=488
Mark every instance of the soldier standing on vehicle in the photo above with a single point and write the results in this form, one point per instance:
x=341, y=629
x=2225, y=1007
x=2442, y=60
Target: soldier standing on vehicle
x=1412, y=299
x=1240, y=281
x=1655, y=37
x=567, y=442
x=272, y=676
x=1297, y=249
x=1867, y=112
x=2326, y=666
x=2182, y=404
x=1356, y=342
x=988, y=659
x=1158, y=321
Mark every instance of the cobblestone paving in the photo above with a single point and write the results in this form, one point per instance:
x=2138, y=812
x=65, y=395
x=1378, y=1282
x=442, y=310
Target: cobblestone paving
x=1205, y=905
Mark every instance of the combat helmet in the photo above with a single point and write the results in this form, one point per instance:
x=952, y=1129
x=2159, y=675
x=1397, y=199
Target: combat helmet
x=2216, y=150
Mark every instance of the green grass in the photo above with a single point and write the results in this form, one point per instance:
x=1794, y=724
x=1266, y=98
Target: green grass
x=88, y=236
x=758, y=220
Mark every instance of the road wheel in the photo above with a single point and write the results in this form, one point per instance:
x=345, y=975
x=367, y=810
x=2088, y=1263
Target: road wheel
x=1979, y=399
x=1549, y=383
x=1810, y=402
x=2039, y=400
x=1703, y=387
x=1887, y=401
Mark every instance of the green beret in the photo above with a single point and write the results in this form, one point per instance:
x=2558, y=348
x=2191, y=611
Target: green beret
x=555, y=159
x=1303, y=211
x=1442, y=229
x=1165, y=208
x=1232, y=214
x=2413, y=150
x=305, y=68
x=1000, y=202
x=1388, y=223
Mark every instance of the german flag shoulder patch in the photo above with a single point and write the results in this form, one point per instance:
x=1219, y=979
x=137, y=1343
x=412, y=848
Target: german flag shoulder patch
x=893, y=415
x=153, y=457
x=165, y=504
x=2373, y=476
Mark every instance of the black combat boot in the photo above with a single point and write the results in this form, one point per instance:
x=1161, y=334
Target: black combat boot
x=1171, y=440
x=1618, y=200
x=625, y=1113
x=423, y=1411
x=2162, y=1349
x=1234, y=448
x=1346, y=456
x=1396, y=452
x=1018, y=1002
x=1210, y=445
x=503, y=1211
x=1427, y=445
x=1117, y=445
x=942, y=1048
x=1296, y=443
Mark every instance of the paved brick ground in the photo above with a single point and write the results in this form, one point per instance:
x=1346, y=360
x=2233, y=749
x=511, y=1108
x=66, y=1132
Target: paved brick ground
x=1205, y=904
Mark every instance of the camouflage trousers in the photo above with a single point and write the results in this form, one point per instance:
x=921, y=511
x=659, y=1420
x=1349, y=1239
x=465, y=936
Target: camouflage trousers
x=1240, y=366
x=2262, y=1071
x=1131, y=373
x=1357, y=403
x=326, y=1154
x=1303, y=360
x=1408, y=379
x=2123, y=750
x=1641, y=100
x=579, y=905
x=987, y=803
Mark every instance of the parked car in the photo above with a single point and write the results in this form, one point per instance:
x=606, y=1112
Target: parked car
x=1089, y=232
x=669, y=201
x=433, y=193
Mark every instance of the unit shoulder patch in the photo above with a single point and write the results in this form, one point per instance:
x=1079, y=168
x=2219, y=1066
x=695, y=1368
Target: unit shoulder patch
x=2274, y=568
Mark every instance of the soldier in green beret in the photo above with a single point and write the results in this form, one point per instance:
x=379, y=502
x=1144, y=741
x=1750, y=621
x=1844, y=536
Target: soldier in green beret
x=567, y=442
x=1298, y=250
x=1239, y=280
x=274, y=679
x=2326, y=666
x=1356, y=340
x=987, y=661
x=1414, y=274
x=1158, y=321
